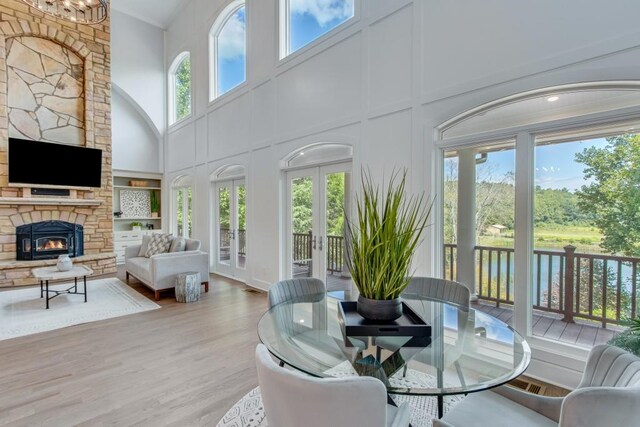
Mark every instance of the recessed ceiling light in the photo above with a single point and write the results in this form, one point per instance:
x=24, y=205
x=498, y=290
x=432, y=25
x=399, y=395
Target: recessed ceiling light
x=553, y=98
x=302, y=153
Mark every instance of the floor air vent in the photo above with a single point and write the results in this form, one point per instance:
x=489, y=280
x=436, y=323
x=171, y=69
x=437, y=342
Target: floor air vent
x=528, y=386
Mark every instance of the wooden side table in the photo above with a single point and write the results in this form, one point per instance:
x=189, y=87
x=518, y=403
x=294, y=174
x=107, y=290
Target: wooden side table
x=47, y=274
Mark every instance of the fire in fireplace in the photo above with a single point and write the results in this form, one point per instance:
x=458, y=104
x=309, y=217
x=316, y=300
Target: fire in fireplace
x=49, y=239
x=51, y=244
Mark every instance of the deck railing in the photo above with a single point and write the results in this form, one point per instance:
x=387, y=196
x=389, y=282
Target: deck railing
x=302, y=247
x=602, y=288
x=225, y=240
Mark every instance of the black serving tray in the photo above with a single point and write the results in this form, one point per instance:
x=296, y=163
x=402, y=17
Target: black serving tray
x=410, y=324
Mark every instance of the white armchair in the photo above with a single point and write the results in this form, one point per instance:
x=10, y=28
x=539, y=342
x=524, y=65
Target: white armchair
x=608, y=395
x=158, y=272
x=292, y=399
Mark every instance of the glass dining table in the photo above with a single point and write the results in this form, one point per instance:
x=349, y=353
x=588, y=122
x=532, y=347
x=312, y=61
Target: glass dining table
x=469, y=351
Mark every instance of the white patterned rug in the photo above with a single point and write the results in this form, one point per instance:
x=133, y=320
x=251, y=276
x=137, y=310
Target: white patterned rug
x=249, y=412
x=22, y=311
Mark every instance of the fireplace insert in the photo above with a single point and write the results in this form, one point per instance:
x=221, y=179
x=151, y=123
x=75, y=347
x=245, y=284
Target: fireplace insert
x=48, y=240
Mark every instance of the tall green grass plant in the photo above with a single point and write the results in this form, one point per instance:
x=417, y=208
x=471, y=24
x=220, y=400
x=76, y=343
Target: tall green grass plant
x=384, y=236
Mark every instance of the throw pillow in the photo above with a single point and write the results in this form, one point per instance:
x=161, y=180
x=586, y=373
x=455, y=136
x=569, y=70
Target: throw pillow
x=144, y=246
x=177, y=245
x=158, y=244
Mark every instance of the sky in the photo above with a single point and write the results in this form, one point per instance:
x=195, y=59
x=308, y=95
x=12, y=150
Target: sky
x=309, y=20
x=232, y=52
x=555, y=165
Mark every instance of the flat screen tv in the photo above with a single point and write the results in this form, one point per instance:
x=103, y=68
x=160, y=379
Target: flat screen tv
x=45, y=163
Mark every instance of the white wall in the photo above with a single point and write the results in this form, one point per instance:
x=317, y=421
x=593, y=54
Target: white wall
x=399, y=69
x=138, y=64
x=381, y=83
x=138, y=94
x=135, y=145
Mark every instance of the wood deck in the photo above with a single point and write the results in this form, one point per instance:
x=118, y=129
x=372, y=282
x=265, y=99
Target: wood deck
x=546, y=325
x=551, y=326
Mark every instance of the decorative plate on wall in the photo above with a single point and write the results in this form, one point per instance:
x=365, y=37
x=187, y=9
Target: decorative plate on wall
x=135, y=204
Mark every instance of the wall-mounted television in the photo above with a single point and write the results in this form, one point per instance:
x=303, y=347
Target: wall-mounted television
x=44, y=163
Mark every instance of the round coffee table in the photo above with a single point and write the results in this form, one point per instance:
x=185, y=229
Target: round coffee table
x=470, y=351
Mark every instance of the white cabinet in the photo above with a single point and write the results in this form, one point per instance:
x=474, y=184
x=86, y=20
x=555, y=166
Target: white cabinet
x=124, y=239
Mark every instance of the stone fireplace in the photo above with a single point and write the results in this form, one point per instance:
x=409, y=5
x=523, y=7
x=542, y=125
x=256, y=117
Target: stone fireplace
x=55, y=86
x=48, y=240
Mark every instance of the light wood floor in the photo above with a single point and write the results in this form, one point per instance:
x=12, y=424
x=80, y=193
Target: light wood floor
x=182, y=365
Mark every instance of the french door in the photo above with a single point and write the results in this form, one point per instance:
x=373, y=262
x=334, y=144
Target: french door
x=230, y=228
x=317, y=198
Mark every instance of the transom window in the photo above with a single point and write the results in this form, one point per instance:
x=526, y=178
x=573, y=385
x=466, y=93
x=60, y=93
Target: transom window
x=180, y=88
x=304, y=21
x=228, y=50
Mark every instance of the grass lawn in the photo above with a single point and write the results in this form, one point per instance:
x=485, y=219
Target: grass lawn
x=584, y=238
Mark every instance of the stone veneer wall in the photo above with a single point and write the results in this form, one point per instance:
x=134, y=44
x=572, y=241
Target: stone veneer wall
x=46, y=91
x=90, y=43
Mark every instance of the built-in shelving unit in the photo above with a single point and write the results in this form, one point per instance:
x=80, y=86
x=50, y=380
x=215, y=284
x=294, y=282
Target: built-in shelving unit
x=124, y=235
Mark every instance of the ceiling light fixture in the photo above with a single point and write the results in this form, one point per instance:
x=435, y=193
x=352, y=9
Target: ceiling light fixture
x=553, y=98
x=80, y=11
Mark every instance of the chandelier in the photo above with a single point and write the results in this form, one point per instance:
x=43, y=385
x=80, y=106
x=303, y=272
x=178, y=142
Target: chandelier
x=81, y=11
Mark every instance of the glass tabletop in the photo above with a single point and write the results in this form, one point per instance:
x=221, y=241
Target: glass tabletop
x=469, y=350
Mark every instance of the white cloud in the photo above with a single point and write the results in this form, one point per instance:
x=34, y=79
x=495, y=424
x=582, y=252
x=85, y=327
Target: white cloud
x=323, y=11
x=231, y=40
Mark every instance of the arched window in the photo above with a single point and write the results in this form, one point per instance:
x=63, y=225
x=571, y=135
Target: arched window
x=553, y=170
x=182, y=206
x=303, y=21
x=228, y=50
x=180, y=88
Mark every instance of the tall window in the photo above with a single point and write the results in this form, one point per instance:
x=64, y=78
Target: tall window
x=228, y=50
x=180, y=88
x=182, y=206
x=303, y=21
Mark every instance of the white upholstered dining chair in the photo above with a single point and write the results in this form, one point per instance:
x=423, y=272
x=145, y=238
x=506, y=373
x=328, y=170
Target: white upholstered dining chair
x=608, y=395
x=292, y=399
x=286, y=290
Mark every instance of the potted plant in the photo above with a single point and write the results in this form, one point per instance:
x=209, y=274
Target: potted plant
x=155, y=204
x=381, y=243
x=629, y=339
x=136, y=226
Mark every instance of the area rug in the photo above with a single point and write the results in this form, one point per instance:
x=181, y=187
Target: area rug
x=22, y=311
x=249, y=412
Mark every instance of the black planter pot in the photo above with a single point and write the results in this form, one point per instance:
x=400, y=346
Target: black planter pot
x=380, y=310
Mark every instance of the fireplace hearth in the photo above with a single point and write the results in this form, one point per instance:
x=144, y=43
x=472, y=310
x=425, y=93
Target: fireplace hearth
x=48, y=240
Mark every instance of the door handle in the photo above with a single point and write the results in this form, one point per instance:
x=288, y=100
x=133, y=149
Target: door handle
x=314, y=242
x=320, y=243
x=232, y=234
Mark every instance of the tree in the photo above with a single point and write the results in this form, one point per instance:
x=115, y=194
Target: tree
x=613, y=198
x=302, y=203
x=494, y=199
x=558, y=207
x=335, y=204
x=183, y=89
